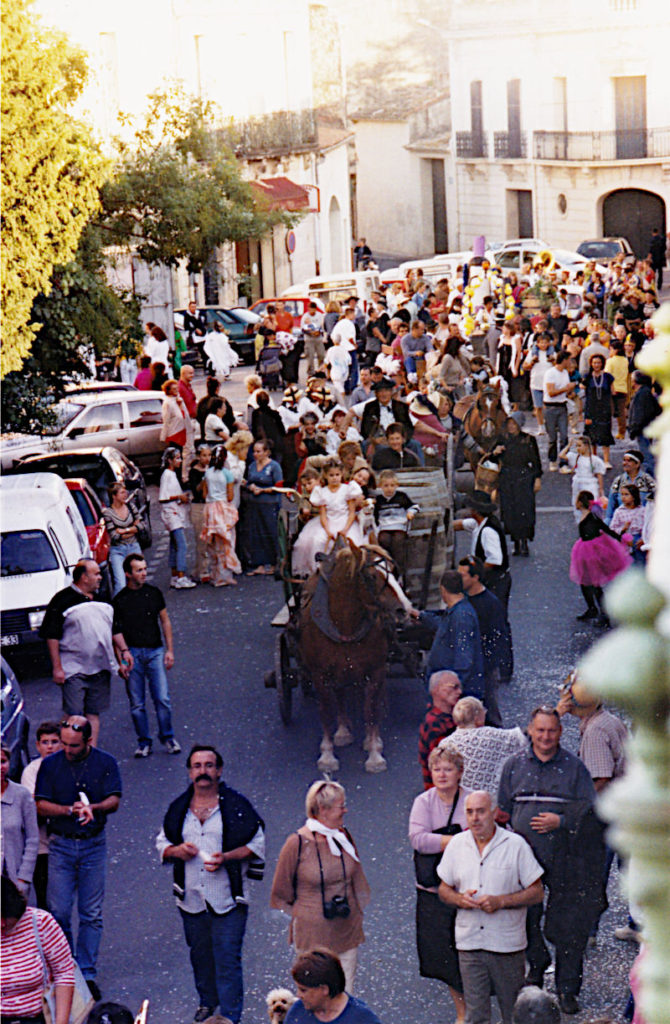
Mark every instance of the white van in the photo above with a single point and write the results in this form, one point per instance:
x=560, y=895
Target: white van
x=43, y=538
x=338, y=287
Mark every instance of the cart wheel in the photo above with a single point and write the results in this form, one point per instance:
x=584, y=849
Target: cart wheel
x=286, y=679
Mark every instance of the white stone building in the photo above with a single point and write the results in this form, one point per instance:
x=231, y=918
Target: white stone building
x=561, y=120
x=256, y=62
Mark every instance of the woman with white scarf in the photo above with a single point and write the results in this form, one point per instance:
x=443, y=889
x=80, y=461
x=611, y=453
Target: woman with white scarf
x=319, y=881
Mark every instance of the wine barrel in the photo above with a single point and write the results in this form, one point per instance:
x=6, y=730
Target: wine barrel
x=428, y=489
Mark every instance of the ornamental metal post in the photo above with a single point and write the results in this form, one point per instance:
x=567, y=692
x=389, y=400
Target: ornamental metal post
x=631, y=668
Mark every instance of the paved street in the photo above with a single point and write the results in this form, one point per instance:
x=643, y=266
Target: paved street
x=223, y=642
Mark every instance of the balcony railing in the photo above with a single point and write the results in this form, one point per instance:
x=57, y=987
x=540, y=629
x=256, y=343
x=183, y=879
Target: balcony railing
x=470, y=145
x=510, y=145
x=624, y=144
x=285, y=131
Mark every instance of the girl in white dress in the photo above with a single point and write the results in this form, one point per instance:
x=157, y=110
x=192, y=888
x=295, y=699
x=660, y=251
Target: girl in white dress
x=588, y=469
x=336, y=502
x=218, y=351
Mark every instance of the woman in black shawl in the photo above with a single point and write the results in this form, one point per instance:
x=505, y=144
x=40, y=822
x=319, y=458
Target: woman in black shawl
x=520, y=475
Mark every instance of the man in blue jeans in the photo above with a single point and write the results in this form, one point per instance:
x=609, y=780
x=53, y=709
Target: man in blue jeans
x=214, y=840
x=141, y=608
x=76, y=789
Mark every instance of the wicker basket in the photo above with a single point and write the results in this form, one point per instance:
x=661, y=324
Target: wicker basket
x=486, y=479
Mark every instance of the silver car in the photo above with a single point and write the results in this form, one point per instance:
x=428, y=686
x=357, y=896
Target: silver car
x=130, y=421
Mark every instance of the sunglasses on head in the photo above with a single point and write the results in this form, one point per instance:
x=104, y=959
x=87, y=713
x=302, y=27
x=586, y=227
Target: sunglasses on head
x=75, y=726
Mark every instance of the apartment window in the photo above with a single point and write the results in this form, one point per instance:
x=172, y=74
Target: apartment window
x=630, y=117
x=476, y=119
x=514, y=118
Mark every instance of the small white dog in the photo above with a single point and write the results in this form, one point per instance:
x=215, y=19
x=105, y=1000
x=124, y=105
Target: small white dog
x=279, y=1002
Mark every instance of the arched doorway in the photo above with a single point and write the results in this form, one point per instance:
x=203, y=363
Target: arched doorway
x=632, y=213
x=335, y=231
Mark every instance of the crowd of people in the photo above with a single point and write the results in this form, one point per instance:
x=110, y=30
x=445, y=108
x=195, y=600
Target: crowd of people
x=506, y=822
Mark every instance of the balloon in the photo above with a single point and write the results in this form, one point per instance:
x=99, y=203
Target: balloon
x=508, y=289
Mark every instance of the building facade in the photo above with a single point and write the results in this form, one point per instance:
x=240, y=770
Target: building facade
x=561, y=120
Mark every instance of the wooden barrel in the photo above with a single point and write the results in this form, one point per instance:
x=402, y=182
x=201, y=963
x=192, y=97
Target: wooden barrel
x=486, y=479
x=428, y=488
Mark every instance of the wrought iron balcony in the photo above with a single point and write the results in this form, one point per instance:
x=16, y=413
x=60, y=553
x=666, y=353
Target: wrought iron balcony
x=623, y=144
x=471, y=145
x=285, y=131
x=510, y=145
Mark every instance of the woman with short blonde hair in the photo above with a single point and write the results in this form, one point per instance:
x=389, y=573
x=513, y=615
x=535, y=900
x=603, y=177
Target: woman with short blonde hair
x=320, y=882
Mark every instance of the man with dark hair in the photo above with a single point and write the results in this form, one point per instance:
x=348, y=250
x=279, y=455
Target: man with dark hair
x=140, y=614
x=394, y=454
x=488, y=543
x=549, y=795
x=319, y=980
x=495, y=633
x=457, y=645
x=643, y=410
x=47, y=736
x=383, y=410
x=657, y=255
x=82, y=645
x=215, y=840
x=76, y=789
x=557, y=389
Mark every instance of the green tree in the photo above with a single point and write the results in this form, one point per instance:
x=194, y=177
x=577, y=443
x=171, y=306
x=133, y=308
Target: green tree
x=177, y=192
x=51, y=169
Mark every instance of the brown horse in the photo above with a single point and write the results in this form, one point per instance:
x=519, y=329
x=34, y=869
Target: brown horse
x=483, y=423
x=343, y=629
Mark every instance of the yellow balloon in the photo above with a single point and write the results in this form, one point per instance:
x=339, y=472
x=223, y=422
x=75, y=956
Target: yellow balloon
x=469, y=290
x=509, y=315
x=508, y=289
x=509, y=302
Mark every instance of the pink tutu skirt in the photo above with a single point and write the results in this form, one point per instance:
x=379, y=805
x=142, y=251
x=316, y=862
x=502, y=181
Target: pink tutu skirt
x=594, y=563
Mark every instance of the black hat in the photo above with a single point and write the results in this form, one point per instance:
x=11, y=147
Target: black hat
x=383, y=385
x=481, y=502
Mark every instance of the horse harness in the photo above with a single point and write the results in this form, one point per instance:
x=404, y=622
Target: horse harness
x=320, y=611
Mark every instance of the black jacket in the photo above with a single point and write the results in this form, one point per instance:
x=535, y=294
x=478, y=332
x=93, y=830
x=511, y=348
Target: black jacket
x=371, y=416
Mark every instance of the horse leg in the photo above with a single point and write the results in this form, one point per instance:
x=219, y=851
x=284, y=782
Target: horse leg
x=327, y=761
x=344, y=736
x=373, y=744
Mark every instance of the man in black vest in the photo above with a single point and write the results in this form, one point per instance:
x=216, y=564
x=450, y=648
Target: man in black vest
x=383, y=410
x=214, y=839
x=489, y=544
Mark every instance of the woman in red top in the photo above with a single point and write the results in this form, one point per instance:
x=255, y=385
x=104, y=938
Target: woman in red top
x=27, y=969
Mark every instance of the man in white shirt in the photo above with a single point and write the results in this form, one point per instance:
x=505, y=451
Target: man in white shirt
x=311, y=325
x=215, y=840
x=491, y=878
x=344, y=330
x=557, y=388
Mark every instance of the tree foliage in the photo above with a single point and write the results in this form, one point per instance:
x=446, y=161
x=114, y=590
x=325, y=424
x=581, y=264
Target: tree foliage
x=80, y=319
x=51, y=169
x=177, y=192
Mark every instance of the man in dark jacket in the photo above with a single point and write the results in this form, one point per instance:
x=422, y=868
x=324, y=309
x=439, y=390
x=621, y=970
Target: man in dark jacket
x=214, y=839
x=384, y=410
x=657, y=255
x=644, y=408
x=495, y=633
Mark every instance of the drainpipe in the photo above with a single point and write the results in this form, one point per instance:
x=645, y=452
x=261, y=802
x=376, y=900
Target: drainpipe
x=317, y=217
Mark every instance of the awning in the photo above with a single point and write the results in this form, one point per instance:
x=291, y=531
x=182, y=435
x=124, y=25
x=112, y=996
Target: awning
x=282, y=193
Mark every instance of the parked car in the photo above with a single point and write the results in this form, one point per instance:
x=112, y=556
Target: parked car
x=43, y=538
x=88, y=387
x=100, y=467
x=514, y=254
x=14, y=724
x=90, y=510
x=605, y=250
x=240, y=324
x=339, y=287
x=131, y=421
x=296, y=306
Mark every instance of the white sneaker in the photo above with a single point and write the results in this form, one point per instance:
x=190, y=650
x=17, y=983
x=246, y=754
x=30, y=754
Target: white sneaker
x=553, y=466
x=174, y=581
x=565, y=469
x=184, y=583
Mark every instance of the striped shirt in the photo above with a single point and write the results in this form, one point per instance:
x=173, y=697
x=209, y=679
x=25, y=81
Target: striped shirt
x=23, y=980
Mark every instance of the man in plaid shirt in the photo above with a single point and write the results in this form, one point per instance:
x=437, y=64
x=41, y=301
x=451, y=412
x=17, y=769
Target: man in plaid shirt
x=445, y=691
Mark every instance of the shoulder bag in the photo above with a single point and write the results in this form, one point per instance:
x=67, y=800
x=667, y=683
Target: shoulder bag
x=82, y=1000
x=425, y=864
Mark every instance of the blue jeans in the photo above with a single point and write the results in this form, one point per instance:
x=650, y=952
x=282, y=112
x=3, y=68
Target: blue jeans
x=556, y=422
x=149, y=668
x=215, y=944
x=117, y=553
x=177, y=553
x=648, y=458
x=78, y=865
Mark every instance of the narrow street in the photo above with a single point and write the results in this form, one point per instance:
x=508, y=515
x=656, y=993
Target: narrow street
x=224, y=645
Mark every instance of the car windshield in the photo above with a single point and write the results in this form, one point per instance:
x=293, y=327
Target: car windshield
x=27, y=551
x=66, y=411
x=600, y=250
x=246, y=315
x=85, y=510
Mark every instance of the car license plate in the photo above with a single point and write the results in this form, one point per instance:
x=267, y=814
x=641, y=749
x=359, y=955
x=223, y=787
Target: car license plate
x=11, y=640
